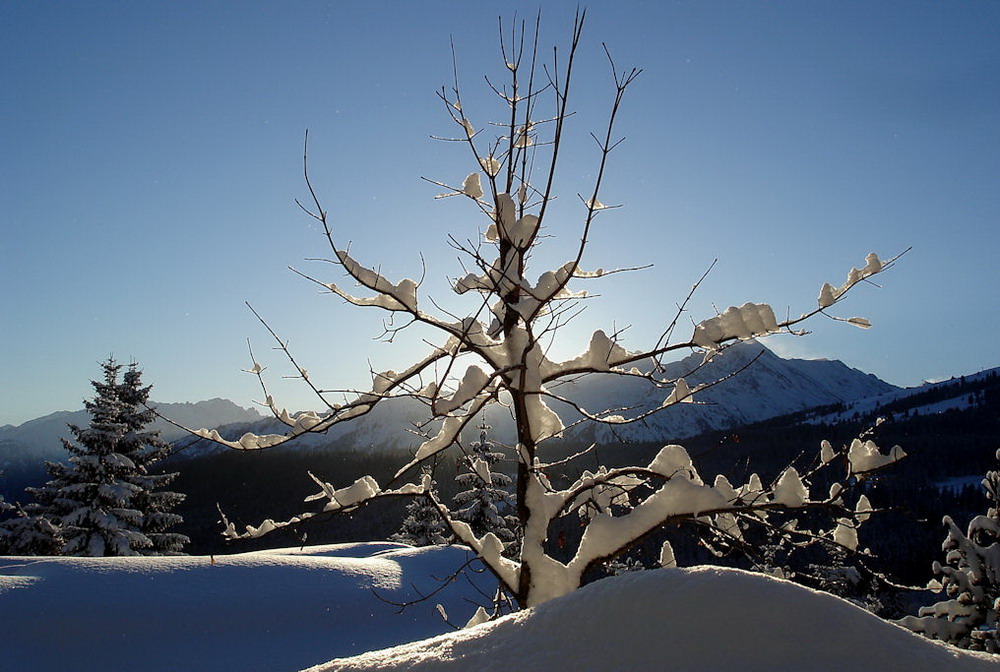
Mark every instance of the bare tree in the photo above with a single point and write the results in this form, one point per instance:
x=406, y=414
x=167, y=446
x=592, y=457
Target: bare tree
x=496, y=353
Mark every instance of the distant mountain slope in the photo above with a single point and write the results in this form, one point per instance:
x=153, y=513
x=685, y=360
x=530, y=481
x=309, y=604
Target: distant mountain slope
x=771, y=386
x=38, y=439
x=956, y=393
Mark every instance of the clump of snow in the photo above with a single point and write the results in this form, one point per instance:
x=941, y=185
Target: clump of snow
x=602, y=353
x=673, y=460
x=744, y=322
x=706, y=618
x=667, y=559
x=681, y=394
x=391, y=296
x=828, y=294
x=790, y=490
x=472, y=187
x=490, y=165
x=846, y=533
x=865, y=456
x=478, y=618
x=826, y=454
x=473, y=383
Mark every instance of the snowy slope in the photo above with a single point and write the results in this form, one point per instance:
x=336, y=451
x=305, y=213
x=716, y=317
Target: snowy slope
x=272, y=610
x=289, y=609
x=771, y=386
x=956, y=399
x=699, y=619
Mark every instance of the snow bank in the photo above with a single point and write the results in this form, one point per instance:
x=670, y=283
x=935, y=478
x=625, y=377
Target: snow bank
x=289, y=609
x=697, y=619
x=270, y=610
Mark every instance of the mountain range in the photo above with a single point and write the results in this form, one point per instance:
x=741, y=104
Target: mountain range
x=765, y=386
x=30, y=443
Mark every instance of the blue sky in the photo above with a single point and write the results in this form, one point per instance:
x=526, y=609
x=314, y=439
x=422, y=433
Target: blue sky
x=151, y=155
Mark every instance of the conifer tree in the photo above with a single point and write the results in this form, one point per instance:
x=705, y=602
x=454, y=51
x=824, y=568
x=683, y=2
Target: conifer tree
x=486, y=505
x=155, y=503
x=970, y=578
x=423, y=525
x=28, y=533
x=105, y=501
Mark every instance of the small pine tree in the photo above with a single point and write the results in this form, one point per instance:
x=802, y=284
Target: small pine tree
x=485, y=504
x=423, y=525
x=105, y=502
x=970, y=578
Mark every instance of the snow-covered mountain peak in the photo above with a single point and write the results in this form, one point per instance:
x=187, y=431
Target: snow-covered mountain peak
x=766, y=386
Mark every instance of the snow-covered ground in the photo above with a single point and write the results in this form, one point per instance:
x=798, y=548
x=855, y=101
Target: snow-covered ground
x=289, y=609
x=270, y=610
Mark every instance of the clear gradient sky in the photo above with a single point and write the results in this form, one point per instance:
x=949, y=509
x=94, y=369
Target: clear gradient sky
x=150, y=155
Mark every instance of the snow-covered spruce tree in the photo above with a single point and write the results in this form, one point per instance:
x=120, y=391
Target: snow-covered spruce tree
x=497, y=353
x=24, y=534
x=423, y=524
x=145, y=448
x=29, y=533
x=104, y=502
x=970, y=579
x=486, y=505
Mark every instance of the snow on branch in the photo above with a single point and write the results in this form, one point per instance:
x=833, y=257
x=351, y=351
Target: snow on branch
x=399, y=296
x=751, y=320
x=507, y=335
x=614, y=522
x=362, y=491
x=829, y=294
x=602, y=354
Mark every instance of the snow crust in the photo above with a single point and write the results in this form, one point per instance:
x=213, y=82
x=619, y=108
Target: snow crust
x=706, y=618
x=270, y=610
x=288, y=609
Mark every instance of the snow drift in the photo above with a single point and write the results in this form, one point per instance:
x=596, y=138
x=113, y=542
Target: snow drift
x=269, y=610
x=289, y=609
x=706, y=618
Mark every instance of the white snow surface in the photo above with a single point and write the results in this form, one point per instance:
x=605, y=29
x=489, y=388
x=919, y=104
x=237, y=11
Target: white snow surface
x=706, y=618
x=269, y=610
x=290, y=609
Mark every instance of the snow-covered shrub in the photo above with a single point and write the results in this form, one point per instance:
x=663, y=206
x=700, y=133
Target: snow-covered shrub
x=495, y=349
x=970, y=579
